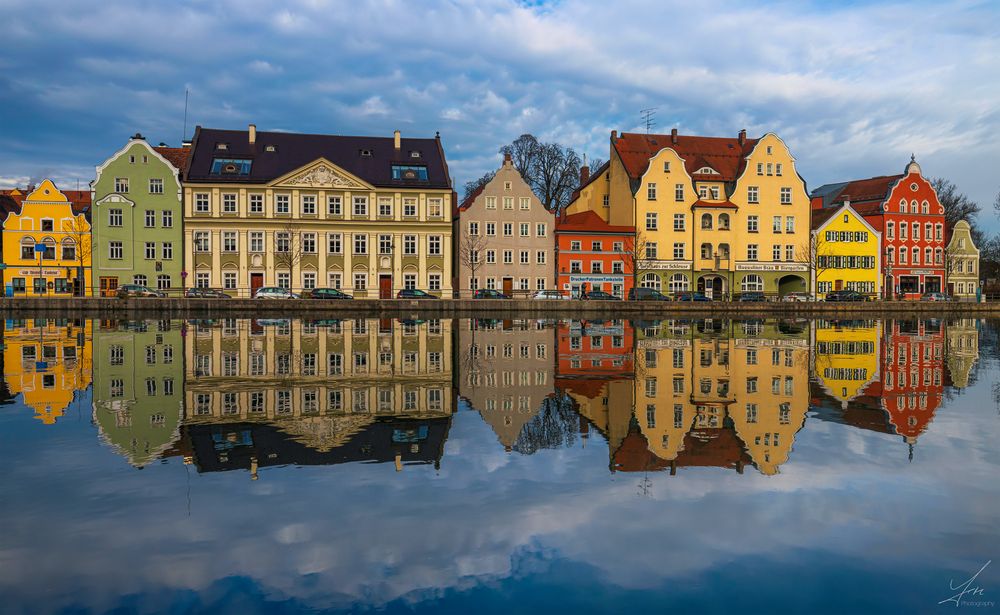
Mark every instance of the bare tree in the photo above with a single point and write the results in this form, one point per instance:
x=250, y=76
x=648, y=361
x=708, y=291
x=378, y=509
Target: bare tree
x=470, y=253
x=523, y=152
x=817, y=255
x=552, y=170
x=78, y=230
x=634, y=250
x=474, y=185
x=957, y=206
x=287, y=249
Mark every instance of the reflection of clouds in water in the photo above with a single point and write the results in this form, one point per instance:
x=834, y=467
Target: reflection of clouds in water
x=362, y=532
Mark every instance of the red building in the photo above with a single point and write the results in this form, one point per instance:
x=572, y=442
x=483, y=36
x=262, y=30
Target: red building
x=906, y=210
x=593, y=255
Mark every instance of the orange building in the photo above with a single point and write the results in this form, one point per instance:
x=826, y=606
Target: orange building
x=594, y=255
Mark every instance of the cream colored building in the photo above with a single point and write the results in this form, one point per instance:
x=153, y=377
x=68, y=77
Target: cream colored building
x=367, y=215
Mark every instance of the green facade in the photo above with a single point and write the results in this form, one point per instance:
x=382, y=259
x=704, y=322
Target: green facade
x=139, y=387
x=151, y=213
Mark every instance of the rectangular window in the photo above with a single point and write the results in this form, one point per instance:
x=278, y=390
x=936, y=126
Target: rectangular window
x=167, y=250
x=491, y=257
x=409, y=281
x=284, y=279
x=752, y=252
x=508, y=201
x=409, y=207
x=201, y=203
x=229, y=280
x=334, y=206
x=525, y=229
x=751, y=224
x=651, y=191
x=256, y=203
x=229, y=241
x=650, y=250
x=115, y=250
x=491, y=202
x=541, y=230
x=202, y=279
x=434, y=245
x=474, y=229
x=679, y=192
x=256, y=242
x=789, y=252
x=678, y=251
x=385, y=207
x=525, y=257
x=115, y=217
x=308, y=280
x=786, y=195
x=776, y=225
x=168, y=218
x=434, y=281
x=334, y=243
x=282, y=204
x=309, y=243
x=508, y=257
x=229, y=203
x=360, y=281
x=150, y=218
x=361, y=244
x=409, y=245
x=540, y=257
x=156, y=186
x=525, y=203
x=308, y=204
x=790, y=224
x=150, y=250
x=434, y=208
x=679, y=222
x=508, y=229
x=202, y=241
x=121, y=185
x=776, y=252
x=283, y=242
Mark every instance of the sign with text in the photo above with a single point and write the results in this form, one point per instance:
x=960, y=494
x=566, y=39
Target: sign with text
x=772, y=267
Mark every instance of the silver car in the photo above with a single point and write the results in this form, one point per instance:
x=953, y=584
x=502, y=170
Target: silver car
x=274, y=292
x=549, y=294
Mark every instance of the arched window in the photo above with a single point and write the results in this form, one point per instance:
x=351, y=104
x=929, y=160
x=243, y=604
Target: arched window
x=914, y=208
x=723, y=222
x=650, y=280
x=937, y=231
x=50, y=249
x=28, y=249
x=706, y=221
x=928, y=256
x=678, y=282
x=68, y=249
x=752, y=282
x=706, y=250
x=925, y=208
x=902, y=255
x=939, y=256
x=890, y=255
x=723, y=250
x=139, y=279
x=928, y=229
x=890, y=230
x=902, y=206
x=916, y=256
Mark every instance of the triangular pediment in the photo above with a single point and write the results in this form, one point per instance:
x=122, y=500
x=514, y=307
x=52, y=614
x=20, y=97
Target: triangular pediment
x=321, y=174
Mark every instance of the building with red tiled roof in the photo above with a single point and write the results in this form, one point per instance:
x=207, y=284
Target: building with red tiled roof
x=714, y=214
x=594, y=255
x=905, y=209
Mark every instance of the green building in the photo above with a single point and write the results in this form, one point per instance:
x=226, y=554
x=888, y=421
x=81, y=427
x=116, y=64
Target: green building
x=138, y=223
x=139, y=387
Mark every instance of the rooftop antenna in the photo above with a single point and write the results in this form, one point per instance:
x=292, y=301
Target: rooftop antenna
x=184, y=136
x=648, y=118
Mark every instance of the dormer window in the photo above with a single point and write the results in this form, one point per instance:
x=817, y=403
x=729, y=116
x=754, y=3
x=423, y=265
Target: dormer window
x=409, y=172
x=222, y=146
x=366, y=153
x=231, y=166
x=414, y=154
x=706, y=171
x=270, y=148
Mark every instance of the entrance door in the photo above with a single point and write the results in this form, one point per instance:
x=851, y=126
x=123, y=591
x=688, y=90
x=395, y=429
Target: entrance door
x=508, y=286
x=256, y=281
x=717, y=287
x=109, y=286
x=385, y=287
x=838, y=285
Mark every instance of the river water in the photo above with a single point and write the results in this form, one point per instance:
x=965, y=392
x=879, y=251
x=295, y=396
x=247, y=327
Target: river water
x=242, y=466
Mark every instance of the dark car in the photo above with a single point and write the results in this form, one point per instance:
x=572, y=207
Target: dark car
x=138, y=290
x=489, y=293
x=598, y=295
x=846, y=295
x=753, y=297
x=328, y=293
x=205, y=293
x=646, y=294
x=413, y=293
x=691, y=296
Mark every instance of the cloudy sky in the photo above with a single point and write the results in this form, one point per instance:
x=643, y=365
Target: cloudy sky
x=854, y=87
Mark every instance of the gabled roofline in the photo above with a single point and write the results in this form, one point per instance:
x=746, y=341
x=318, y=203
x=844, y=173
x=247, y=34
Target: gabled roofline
x=320, y=160
x=132, y=141
x=857, y=215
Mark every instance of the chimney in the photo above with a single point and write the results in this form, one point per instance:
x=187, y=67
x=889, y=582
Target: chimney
x=395, y=139
x=743, y=136
x=138, y=137
x=673, y=136
x=584, y=174
x=252, y=129
x=186, y=143
x=614, y=136
x=847, y=199
x=507, y=160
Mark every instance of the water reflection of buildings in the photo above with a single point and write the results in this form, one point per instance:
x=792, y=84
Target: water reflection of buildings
x=506, y=374
x=716, y=393
x=138, y=396
x=46, y=362
x=265, y=393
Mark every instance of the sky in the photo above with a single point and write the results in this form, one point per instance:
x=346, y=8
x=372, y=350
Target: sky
x=854, y=88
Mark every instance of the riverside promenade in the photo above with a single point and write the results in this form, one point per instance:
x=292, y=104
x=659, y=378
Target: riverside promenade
x=471, y=308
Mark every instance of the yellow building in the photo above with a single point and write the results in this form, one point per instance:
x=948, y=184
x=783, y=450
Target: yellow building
x=847, y=357
x=46, y=247
x=716, y=215
x=47, y=362
x=846, y=252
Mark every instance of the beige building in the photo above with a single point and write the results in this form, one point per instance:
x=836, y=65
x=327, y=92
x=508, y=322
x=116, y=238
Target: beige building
x=507, y=372
x=367, y=215
x=504, y=237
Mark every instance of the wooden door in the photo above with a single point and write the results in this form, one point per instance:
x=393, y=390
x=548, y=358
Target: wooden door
x=385, y=287
x=109, y=286
x=508, y=286
x=256, y=281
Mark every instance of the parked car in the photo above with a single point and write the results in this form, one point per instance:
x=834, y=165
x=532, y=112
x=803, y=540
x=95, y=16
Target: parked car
x=205, y=293
x=846, y=295
x=328, y=293
x=414, y=293
x=646, y=294
x=934, y=296
x=598, y=295
x=691, y=296
x=489, y=293
x=549, y=294
x=796, y=297
x=138, y=290
x=752, y=297
x=273, y=292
